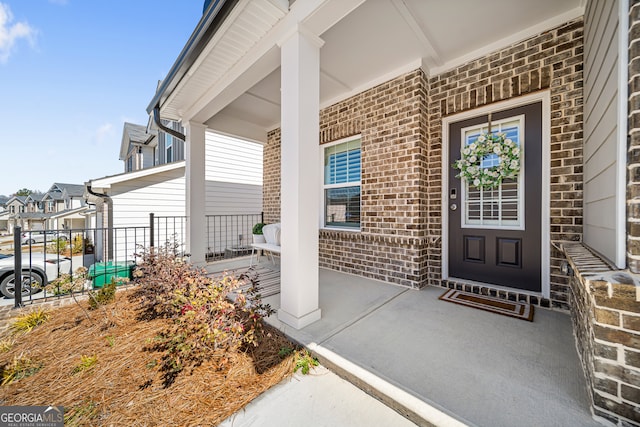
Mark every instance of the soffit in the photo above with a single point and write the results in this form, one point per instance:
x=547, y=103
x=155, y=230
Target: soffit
x=247, y=24
x=373, y=41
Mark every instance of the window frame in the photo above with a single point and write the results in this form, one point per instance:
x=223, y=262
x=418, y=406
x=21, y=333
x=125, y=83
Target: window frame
x=168, y=145
x=324, y=187
x=483, y=127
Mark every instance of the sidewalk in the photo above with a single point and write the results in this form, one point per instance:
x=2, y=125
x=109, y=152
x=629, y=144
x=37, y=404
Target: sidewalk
x=320, y=398
x=440, y=363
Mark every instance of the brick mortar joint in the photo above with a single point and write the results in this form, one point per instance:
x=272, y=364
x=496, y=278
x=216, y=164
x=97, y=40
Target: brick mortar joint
x=375, y=238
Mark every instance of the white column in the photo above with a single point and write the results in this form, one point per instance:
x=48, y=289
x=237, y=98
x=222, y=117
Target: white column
x=195, y=197
x=300, y=92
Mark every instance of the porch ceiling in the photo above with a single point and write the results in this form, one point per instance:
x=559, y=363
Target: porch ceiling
x=366, y=42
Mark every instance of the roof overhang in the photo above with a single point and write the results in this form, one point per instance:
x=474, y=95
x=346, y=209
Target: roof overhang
x=77, y=212
x=213, y=16
x=232, y=82
x=133, y=134
x=106, y=182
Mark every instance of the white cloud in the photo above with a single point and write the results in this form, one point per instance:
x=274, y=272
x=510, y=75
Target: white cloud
x=11, y=32
x=103, y=133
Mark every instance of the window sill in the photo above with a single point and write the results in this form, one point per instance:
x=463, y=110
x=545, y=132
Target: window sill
x=348, y=230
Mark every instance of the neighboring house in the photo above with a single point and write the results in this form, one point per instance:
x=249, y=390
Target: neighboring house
x=4, y=214
x=34, y=202
x=14, y=206
x=33, y=217
x=168, y=149
x=233, y=186
x=65, y=206
x=137, y=149
x=144, y=147
x=62, y=206
x=364, y=105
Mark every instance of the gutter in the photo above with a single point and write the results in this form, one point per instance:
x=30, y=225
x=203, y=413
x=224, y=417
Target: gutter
x=158, y=122
x=212, y=18
x=95, y=198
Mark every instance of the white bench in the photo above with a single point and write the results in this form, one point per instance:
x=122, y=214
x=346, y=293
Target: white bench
x=269, y=247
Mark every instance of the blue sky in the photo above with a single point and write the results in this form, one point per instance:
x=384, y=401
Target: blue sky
x=71, y=73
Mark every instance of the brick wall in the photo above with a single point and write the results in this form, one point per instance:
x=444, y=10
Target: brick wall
x=552, y=60
x=606, y=322
x=400, y=122
x=392, y=122
x=633, y=156
x=271, y=158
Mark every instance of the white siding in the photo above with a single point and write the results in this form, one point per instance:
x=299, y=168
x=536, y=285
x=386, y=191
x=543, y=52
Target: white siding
x=234, y=186
x=603, y=206
x=233, y=174
x=148, y=159
x=162, y=194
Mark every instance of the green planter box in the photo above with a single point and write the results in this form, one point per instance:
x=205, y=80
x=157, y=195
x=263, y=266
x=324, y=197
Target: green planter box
x=101, y=273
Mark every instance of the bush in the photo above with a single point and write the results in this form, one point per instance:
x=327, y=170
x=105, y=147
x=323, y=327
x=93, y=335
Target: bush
x=77, y=245
x=206, y=321
x=28, y=321
x=257, y=229
x=68, y=283
x=103, y=296
x=58, y=246
x=20, y=367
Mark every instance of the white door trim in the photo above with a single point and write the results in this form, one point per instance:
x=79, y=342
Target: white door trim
x=545, y=241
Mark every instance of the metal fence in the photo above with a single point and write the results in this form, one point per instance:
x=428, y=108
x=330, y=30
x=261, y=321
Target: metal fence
x=106, y=253
x=109, y=252
x=230, y=236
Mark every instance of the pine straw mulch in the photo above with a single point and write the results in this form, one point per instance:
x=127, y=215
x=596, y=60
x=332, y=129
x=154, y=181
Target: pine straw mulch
x=125, y=387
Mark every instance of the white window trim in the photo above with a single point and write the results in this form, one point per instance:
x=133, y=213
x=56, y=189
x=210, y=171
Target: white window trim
x=545, y=98
x=521, y=184
x=622, y=128
x=321, y=218
x=168, y=138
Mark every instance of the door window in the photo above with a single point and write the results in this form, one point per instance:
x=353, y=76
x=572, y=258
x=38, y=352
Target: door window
x=502, y=206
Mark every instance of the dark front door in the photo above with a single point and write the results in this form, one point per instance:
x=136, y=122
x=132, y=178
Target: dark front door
x=495, y=234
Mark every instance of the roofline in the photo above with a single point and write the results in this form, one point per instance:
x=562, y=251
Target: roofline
x=68, y=212
x=108, y=181
x=208, y=25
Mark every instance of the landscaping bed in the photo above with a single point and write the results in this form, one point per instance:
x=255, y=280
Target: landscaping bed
x=122, y=364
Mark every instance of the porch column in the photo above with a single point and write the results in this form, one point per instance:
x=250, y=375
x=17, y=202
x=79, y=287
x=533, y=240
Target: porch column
x=300, y=93
x=195, y=192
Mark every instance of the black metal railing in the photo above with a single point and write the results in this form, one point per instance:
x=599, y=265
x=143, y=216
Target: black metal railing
x=169, y=231
x=230, y=236
x=106, y=253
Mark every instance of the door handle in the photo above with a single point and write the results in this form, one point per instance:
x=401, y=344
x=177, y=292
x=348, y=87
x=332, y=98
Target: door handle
x=453, y=206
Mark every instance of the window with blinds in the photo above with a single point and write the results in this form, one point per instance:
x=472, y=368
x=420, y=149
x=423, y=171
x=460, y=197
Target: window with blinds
x=503, y=206
x=342, y=168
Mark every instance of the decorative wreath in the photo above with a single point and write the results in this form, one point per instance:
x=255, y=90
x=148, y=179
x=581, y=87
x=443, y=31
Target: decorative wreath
x=470, y=163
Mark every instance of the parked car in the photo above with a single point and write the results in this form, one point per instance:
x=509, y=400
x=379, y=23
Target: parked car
x=37, y=271
x=39, y=236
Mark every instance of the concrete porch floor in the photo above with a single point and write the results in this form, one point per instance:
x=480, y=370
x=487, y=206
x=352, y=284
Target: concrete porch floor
x=426, y=358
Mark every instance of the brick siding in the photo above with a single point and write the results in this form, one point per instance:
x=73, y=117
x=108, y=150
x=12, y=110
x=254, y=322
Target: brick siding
x=633, y=154
x=400, y=123
x=606, y=323
x=391, y=120
x=549, y=61
x=271, y=159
